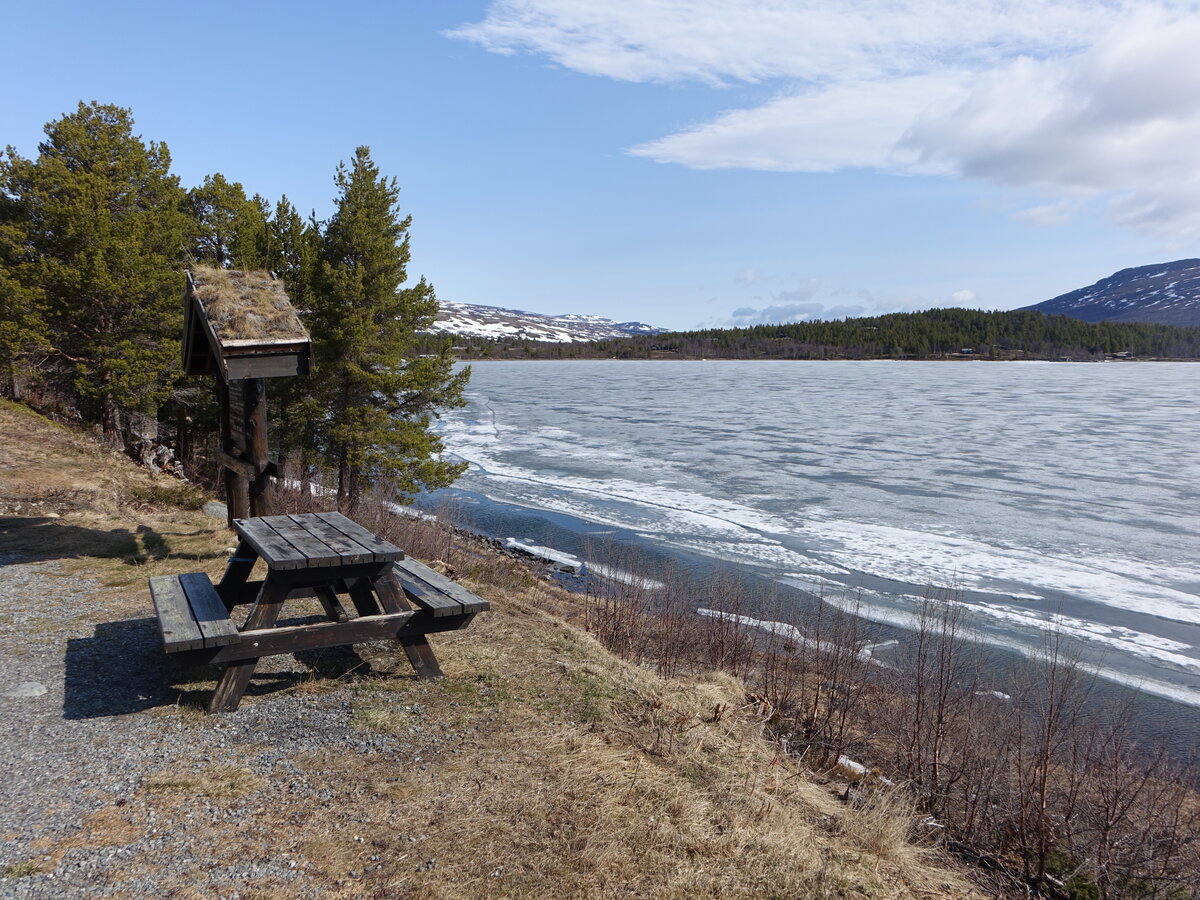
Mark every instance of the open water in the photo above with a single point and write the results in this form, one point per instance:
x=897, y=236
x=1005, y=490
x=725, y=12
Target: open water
x=1040, y=493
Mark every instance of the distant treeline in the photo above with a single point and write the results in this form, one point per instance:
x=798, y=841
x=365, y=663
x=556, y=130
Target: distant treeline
x=933, y=334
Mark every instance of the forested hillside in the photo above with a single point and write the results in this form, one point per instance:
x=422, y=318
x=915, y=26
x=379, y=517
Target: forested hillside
x=933, y=334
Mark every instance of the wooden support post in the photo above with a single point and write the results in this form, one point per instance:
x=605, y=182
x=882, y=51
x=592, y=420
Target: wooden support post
x=416, y=648
x=333, y=607
x=236, y=676
x=364, y=599
x=237, y=573
x=255, y=392
x=236, y=500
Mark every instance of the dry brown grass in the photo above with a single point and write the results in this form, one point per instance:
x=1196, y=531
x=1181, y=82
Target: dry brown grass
x=211, y=781
x=246, y=305
x=542, y=765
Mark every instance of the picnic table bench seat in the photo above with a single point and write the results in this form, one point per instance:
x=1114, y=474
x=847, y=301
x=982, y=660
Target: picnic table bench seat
x=191, y=614
x=434, y=592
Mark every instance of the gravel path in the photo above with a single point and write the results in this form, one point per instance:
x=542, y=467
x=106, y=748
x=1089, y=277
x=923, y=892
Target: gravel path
x=87, y=715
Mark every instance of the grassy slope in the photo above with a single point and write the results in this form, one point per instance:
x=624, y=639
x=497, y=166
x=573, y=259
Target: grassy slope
x=571, y=772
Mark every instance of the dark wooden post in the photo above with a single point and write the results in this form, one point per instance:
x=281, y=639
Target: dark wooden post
x=255, y=399
x=236, y=493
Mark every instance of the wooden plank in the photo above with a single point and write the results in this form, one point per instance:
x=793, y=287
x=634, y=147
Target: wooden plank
x=390, y=596
x=426, y=597
x=208, y=610
x=274, y=365
x=329, y=600
x=232, y=462
x=417, y=570
x=179, y=630
x=351, y=551
x=327, y=575
x=237, y=570
x=382, y=550
x=420, y=656
x=278, y=553
x=237, y=416
x=317, y=553
x=419, y=624
x=236, y=677
x=258, y=642
x=274, y=345
x=213, y=342
x=364, y=600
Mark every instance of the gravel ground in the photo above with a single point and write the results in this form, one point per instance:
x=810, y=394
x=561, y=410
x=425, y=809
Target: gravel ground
x=89, y=715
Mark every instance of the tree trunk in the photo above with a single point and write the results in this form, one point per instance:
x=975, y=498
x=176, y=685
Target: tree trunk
x=110, y=419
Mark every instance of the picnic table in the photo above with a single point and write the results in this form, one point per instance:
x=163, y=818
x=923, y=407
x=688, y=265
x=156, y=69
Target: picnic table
x=325, y=555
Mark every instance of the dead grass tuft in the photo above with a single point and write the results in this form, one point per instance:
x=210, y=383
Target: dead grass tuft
x=214, y=781
x=246, y=305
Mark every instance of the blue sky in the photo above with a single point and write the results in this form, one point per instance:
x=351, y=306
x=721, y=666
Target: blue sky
x=679, y=162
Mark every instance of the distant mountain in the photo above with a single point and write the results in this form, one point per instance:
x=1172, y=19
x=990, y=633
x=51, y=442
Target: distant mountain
x=492, y=322
x=1167, y=293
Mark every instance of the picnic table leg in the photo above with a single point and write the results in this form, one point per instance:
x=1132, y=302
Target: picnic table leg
x=416, y=648
x=364, y=599
x=236, y=573
x=236, y=676
x=329, y=600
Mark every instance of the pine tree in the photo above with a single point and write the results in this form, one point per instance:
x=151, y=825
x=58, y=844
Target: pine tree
x=292, y=255
x=374, y=398
x=98, y=228
x=24, y=337
x=230, y=231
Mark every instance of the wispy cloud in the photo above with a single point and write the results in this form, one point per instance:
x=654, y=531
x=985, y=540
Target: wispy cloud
x=1071, y=98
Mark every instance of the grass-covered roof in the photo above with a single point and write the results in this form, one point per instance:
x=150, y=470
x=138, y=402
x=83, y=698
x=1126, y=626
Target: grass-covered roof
x=246, y=306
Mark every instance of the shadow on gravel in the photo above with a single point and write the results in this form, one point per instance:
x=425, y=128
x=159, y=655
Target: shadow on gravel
x=38, y=538
x=118, y=670
x=121, y=669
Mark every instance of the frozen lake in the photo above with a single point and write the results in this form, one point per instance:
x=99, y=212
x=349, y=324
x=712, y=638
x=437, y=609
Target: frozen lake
x=1036, y=491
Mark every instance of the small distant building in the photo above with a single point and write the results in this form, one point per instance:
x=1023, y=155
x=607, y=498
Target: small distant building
x=1121, y=354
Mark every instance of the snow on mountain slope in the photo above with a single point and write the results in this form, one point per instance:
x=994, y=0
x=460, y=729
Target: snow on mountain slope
x=473, y=320
x=1167, y=293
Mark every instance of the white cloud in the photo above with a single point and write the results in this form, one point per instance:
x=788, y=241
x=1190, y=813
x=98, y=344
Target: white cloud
x=843, y=126
x=966, y=298
x=1071, y=98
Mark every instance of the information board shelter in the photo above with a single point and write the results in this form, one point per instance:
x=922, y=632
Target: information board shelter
x=242, y=328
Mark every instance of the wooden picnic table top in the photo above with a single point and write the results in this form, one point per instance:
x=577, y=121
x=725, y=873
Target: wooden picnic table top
x=314, y=540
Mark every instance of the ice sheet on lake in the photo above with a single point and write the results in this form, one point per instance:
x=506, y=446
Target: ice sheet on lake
x=1048, y=484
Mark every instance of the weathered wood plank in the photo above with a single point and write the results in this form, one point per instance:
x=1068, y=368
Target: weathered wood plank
x=175, y=622
x=383, y=551
x=277, y=552
x=233, y=681
x=264, y=365
x=351, y=551
x=421, y=657
x=230, y=461
x=413, y=569
x=329, y=600
x=390, y=596
x=427, y=597
x=364, y=599
x=326, y=575
x=317, y=553
x=254, y=643
x=237, y=570
x=208, y=609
